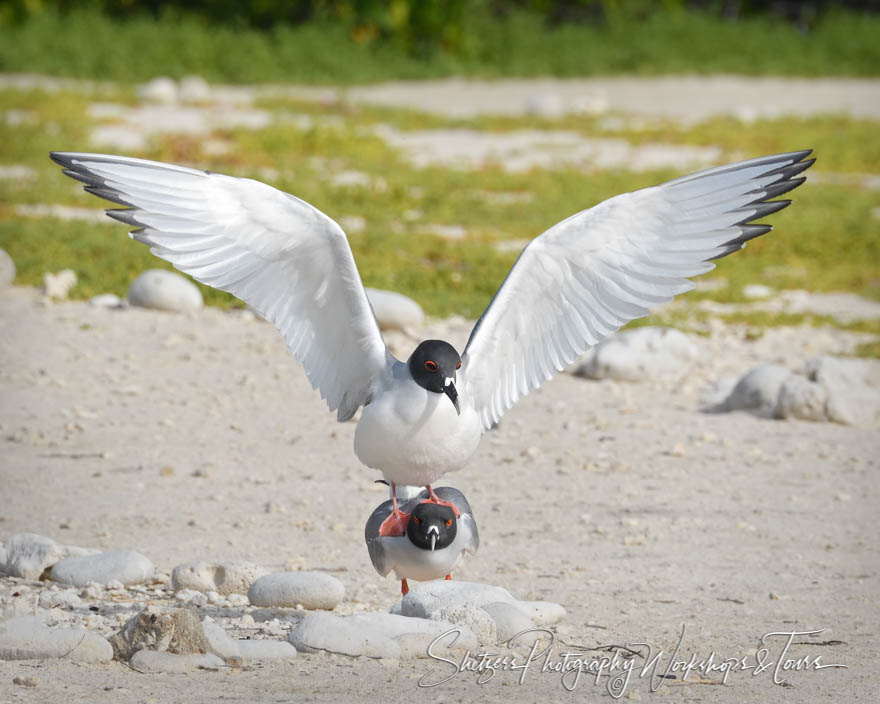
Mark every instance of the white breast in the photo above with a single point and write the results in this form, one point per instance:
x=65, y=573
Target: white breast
x=414, y=436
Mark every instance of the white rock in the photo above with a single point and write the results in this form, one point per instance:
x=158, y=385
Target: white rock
x=547, y=105
x=266, y=650
x=639, y=354
x=194, y=89
x=26, y=638
x=228, y=577
x=414, y=635
x=801, y=398
x=353, y=224
x=542, y=613
x=106, y=300
x=191, y=596
x=221, y=643
x=475, y=619
x=429, y=599
x=159, y=90
x=756, y=391
x=7, y=269
x=125, y=566
x=2, y=556
x=66, y=598
x=757, y=291
x=164, y=290
x=58, y=285
x=172, y=663
x=834, y=389
x=394, y=311
x=510, y=622
x=29, y=554
x=322, y=631
x=312, y=590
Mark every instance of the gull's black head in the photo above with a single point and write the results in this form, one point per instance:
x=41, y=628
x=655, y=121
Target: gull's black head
x=433, y=365
x=431, y=526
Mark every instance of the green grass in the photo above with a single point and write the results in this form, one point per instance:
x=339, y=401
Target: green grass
x=86, y=44
x=829, y=240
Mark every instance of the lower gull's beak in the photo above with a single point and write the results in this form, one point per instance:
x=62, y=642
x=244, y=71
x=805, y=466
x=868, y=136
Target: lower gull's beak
x=450, y=390
x=434, y=533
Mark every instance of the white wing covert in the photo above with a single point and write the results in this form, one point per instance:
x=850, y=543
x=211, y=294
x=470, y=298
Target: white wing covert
x=590, y=274
x=280, y=255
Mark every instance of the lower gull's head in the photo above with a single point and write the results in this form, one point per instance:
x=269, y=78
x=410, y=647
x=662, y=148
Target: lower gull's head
x=433, y=365
x=431, y=526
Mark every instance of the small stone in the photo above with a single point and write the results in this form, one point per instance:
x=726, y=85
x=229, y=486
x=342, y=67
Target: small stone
x=29, y=554
x=25, y=681
x=106, y=300
x=159, y=90
x=312, y=590
x=27, y=638
x=194, y=89
x=57, y=286
x=226, y=578
x=641, y=354
x=125, y=566
x=190, y=596
x=394, y=311
x=66, y=599
x=255, y=650
x=164, y=290
x=171, y=663
x=220, y=642
x=327, y=632
x=418, y=633
x=511, y=624
x=542, y=613
x=757, y=291
x=757, y=391
x=801, y=398
x=7, y=269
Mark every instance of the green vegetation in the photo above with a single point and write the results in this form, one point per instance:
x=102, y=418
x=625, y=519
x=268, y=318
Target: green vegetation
x=374, y=46
x=829, y=240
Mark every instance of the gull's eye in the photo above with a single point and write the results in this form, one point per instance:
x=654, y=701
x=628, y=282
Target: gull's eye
x=449, y=522
x=417, y=521
x=458, y=366
x=431, y=366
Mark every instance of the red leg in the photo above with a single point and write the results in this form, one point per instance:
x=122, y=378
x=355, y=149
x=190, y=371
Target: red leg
x=395, y=524
x=434, y=499
x=404, y=587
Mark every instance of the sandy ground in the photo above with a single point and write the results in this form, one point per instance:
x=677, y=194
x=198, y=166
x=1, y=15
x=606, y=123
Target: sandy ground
x=622, y=502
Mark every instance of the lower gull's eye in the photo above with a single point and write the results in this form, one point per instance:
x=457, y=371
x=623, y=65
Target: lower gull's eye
x=449, y=522
x=431, y=366
x=416, y=520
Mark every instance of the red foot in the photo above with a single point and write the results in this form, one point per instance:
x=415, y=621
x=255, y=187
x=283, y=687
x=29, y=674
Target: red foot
x=449, y=576
x=434, y=499
x=395, y=525
x=404, y=587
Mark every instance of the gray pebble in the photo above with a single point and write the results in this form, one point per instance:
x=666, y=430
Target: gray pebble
x=394, y=311
x=312, y=590
x=641, y=354
x=26, y=638
x=322, y=631
x=125, y=566
x=221, y=643
x=225, y=578
x=172, y=663
x=757, y=391
x=164, y=290
x=510, y=622
x=266, y=650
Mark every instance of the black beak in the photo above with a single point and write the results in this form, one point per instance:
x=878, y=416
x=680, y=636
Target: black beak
x=452, y=392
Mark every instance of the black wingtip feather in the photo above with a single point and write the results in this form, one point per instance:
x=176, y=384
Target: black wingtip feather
x=760, y=209
x=777, y=189
x=126, y=215
x=792, y=169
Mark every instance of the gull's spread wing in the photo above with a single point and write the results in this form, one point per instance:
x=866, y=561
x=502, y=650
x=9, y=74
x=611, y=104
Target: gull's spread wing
x=280, y=255
x=588, y=275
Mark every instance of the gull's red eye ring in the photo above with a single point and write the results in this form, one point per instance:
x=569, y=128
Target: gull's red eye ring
x=431, y=366
x=416, y=520
x=449, y=522
x=458, y=366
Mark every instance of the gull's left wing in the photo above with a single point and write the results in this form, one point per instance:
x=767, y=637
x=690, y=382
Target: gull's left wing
x=590, y=274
